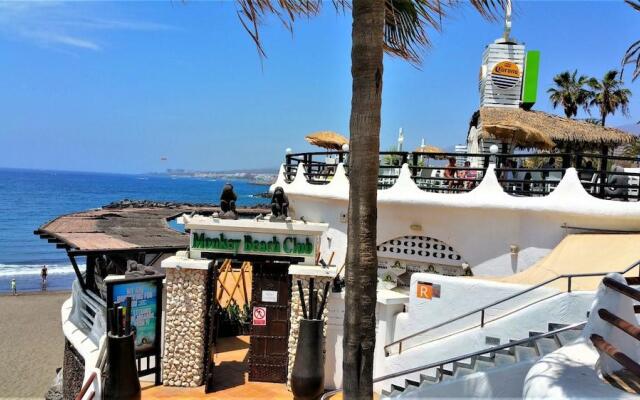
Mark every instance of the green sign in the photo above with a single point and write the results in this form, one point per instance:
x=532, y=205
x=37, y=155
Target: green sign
x=530, y=84
x=249, y=244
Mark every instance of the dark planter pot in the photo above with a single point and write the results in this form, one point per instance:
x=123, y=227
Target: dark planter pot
x=307, y=377
x=122, y=375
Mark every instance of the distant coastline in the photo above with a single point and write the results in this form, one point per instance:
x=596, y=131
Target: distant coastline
x=264, y=176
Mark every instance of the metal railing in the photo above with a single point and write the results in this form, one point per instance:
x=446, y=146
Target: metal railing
x=440, y=364
x=86, y=387
x=481, y=310
x=526, y=174
x=625, y=326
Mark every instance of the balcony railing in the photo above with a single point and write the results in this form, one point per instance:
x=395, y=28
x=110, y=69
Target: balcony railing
x=528, y=174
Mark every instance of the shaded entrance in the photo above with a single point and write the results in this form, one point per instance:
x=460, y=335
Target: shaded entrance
x=240, y=346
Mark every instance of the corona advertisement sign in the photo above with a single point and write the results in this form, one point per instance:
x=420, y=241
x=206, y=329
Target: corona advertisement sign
x=505, y=75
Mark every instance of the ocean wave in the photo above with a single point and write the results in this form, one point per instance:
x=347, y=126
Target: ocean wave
x=34, y=269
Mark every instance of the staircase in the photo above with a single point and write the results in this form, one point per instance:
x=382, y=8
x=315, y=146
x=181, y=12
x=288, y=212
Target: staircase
x=516, y=351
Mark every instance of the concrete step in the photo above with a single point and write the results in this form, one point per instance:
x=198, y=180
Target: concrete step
x=569, y=336
x=524, y=353
x=503, y=359
x=482, y=365
x=462, y=371
x=546, y=346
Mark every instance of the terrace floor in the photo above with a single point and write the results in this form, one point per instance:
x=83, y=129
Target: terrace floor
x=231, y=378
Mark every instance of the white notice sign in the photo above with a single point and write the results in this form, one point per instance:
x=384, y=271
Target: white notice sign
x=269, y=296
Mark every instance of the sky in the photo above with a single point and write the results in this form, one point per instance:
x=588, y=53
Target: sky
x=120, y=86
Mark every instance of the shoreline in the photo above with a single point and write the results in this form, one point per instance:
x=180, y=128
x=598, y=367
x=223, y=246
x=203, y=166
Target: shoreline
x=28, y=293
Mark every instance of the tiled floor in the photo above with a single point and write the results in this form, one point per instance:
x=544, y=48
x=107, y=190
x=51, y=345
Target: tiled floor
x=230, y=378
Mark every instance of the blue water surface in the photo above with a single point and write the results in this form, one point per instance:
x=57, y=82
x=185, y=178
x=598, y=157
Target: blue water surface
x=30, y=198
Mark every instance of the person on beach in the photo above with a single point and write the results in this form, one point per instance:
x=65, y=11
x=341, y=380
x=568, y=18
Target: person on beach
x=14, y=289
x=43, y=275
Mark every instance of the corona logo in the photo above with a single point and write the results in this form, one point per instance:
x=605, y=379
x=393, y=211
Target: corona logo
x=505, y=75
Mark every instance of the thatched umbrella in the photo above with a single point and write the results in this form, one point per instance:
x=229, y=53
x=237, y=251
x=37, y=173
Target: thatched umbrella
x=428, y=149
x=327, y=139
x=519, y=134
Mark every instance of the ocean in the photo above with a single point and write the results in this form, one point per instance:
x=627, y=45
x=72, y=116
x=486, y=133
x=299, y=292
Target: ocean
x=30, y=198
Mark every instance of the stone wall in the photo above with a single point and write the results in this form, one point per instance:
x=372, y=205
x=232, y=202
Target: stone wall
x=72, y=372
x=296, y=312
x=183, y=362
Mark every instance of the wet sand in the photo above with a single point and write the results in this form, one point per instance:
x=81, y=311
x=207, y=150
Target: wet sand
x=31, y=343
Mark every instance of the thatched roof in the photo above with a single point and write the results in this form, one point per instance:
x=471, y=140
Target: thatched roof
x=557, y=129
x=327, y=139
x=124, y=229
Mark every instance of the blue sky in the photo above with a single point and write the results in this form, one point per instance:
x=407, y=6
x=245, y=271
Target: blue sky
x=115, y=86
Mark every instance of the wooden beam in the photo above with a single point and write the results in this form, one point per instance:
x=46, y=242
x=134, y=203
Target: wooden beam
x=77, y=271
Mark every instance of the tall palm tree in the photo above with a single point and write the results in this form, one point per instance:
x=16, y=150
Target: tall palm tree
x=397, y=27
x=570, y=93
x=609, y=95
x=632, y=56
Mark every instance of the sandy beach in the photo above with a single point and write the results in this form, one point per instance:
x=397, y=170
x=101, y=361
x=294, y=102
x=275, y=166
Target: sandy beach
x=31, y=343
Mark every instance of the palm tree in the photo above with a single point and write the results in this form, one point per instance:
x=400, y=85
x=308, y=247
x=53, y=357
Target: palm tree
x=609, y=95
x=632, y=56
x=397, y=27
x=570, y=92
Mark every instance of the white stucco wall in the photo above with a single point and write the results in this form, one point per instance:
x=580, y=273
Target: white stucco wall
x=532, y=312
x=481, y=225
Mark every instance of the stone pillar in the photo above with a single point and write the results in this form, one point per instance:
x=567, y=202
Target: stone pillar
x=183, y=362
x=296, y=312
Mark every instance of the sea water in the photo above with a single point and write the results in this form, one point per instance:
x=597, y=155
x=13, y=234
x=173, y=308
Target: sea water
x=30, y=198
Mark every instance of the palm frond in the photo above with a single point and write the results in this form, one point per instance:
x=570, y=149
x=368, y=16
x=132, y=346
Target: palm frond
x=633, y=3
x=632, y=56
x=252, y=12
x=407, y=23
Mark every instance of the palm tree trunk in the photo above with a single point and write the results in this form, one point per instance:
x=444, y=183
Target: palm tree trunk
x=361, y=260
x=604, y=118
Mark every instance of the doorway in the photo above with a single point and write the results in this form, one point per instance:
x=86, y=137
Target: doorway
x=247, y=322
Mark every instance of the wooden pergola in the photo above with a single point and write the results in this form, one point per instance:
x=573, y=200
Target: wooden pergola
x=130, y=233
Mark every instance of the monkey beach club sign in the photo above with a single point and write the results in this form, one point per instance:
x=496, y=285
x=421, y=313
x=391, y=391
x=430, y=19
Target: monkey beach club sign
x=259, y=237
x=253, y=244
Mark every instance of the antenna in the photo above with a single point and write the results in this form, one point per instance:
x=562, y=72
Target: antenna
x=507, y=22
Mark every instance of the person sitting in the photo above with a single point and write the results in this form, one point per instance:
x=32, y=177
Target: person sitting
x=526, y=186
x=617, y=184
x=550, y=165
x=507, y=175
x=470, y=176
x=450, y=173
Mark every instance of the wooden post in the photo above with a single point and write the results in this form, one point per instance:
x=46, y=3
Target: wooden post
x=77, y=271
x=603, y=172
x=415, y=165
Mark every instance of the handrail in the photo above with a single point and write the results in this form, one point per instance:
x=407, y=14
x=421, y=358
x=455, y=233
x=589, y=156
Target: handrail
x=620, y=323
x=86, y=386
x=612, y=351
x=622, y=288
x=442, y=363
x=482, y=309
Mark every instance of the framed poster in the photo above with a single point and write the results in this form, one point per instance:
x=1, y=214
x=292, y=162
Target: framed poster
x=146, y=309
